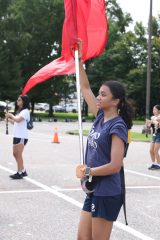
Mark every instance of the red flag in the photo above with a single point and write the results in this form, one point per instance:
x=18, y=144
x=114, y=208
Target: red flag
x=84, y=19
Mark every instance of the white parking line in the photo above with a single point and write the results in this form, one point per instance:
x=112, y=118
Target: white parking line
x=55, y=192
x=132, y=231
x=58, y=189
x=65, y=189
x=80, y=189
x=143, y=187
x=142, y=174
x=23, y=191
x=128, y=229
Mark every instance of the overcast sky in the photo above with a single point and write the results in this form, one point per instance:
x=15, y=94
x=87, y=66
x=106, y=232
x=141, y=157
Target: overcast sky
x=139, y=9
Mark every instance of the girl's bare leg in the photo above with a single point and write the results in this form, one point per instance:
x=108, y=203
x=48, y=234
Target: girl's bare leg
x=152, y=152
x=156, y=152
x=101, y=229
x=85, y=226
x=17, y=153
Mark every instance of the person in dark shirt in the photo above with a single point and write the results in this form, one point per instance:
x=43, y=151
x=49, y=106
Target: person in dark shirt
x=105, y=151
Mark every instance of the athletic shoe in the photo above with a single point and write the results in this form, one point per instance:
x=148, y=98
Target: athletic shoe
x=151, y=167
x=154, y=167
x=24, y=174
x=16, y=176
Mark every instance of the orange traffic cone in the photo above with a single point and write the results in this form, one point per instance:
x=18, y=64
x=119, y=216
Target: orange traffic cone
x=55, y=137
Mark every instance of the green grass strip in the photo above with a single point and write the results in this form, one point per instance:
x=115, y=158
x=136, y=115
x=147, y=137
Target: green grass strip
x=135, y=136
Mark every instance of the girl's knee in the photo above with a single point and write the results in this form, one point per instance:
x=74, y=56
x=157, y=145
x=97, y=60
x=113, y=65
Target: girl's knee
x=15, y=154
x=151, y=151
x=156, y=151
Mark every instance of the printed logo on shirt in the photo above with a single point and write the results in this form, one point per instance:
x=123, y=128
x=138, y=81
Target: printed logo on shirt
x=92, y=137
x=93, y=207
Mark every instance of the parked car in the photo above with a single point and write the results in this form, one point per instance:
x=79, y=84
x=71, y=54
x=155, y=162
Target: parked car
x=71, y=107
x=2, y=106
x=58, y=108
x=11, y=106
x=41, y=106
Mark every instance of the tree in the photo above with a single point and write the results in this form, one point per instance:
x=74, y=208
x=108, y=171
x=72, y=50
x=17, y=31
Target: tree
x=125, y=59
x=111, y=64
x=9, y=64
x=32, y=37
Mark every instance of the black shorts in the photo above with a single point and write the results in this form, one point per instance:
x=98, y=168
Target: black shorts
x=20, y=141
x=107, y=207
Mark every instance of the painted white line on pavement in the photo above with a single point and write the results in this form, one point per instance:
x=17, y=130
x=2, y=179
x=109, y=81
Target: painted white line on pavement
x=66, y=189
x=51, y=190
x=143, y=187
x=142, y=174
x=128, y=229
x=23, y=191
x=132, y=231
x=80, y=189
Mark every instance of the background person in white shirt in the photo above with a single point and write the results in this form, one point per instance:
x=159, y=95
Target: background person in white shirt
x=20, y=133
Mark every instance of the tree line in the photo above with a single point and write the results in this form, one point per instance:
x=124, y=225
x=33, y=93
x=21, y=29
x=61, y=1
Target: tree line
x=30, y=37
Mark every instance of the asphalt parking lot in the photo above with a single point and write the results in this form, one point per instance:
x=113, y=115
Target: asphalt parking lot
x=46, y=204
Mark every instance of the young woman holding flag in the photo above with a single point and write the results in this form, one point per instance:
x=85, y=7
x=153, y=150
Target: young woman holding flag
x=105, y=151
x=20, y=133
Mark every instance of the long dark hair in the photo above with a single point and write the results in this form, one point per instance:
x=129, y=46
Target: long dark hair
x=26, y=103
x=157, y=107
x=124, y=108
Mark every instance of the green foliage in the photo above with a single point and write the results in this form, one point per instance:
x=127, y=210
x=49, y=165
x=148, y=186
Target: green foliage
x=140, y=137
x=63, y=116
x=135, y=136
x=31, y=33
x=30, y=37
x=125, y=59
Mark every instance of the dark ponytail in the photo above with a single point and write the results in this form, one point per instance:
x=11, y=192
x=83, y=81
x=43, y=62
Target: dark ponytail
x=124, y=108
x=126, y=112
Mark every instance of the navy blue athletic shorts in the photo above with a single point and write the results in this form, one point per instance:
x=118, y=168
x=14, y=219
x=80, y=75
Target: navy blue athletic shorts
x=107, y=207
x=156, y=138
x=20, y=141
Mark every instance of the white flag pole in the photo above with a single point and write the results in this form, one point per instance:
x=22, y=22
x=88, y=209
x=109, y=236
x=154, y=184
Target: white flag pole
x=79, y=107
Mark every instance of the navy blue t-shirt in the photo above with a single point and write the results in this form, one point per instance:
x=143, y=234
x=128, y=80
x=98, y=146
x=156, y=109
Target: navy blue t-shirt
x=98, y=151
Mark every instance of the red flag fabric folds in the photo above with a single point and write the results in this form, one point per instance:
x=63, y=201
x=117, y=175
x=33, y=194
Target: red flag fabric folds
x=84, y=19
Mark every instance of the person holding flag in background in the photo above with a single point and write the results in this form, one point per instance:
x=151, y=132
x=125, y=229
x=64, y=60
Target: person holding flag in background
x=20, y=133
x=106, y=148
